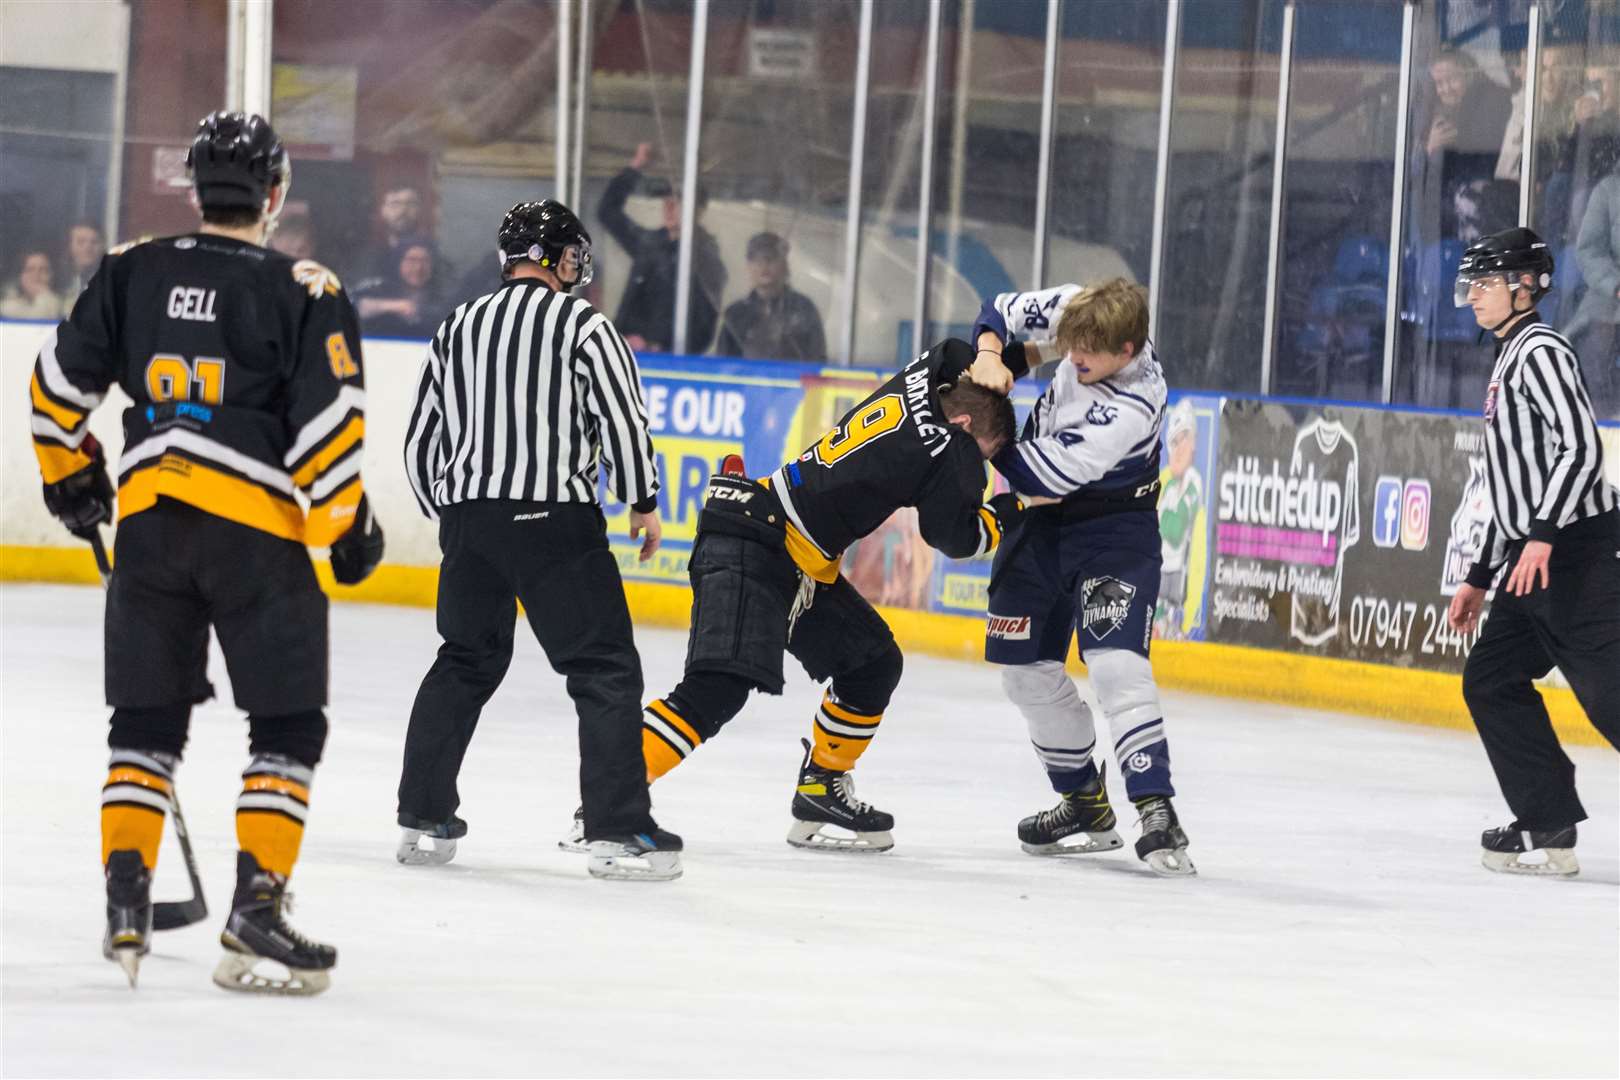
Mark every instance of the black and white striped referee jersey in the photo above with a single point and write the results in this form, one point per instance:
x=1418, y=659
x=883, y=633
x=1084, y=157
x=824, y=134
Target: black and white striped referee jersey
x=522, y=392
x=1543, y=456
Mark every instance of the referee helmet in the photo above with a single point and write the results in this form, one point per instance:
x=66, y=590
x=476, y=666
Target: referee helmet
x=548, y=234
x=1507, y=254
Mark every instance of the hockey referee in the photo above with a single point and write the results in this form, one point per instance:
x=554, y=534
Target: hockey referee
x=1555, y=523
x=523, y=394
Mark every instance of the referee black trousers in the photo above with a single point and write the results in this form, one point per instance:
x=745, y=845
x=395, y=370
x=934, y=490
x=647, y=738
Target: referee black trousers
x=553, y=557
x=1574, y=624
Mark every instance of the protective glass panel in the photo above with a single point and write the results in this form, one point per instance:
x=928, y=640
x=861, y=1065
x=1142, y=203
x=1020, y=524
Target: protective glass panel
x=1462, y=182
x=413, y=128
x=1211, y=314
x=1575, y=200
x=778, y=99
x=96, y=113
x=1338, y=190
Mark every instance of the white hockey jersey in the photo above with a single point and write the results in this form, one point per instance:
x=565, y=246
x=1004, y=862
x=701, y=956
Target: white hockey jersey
x=1079, y=438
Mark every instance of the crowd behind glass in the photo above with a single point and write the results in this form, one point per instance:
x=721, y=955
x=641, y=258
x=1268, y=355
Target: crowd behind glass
x=405, y=210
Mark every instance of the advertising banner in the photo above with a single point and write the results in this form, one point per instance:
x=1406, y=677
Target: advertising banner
x=1345, y=531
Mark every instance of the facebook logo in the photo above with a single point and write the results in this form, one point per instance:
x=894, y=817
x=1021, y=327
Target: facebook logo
x=1387, y=512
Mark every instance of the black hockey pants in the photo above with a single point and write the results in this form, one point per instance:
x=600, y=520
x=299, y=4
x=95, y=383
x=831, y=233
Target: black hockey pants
x=1574, y=624
x=553, y=557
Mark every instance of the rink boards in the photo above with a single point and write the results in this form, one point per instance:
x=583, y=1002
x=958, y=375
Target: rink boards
x=1319, y=543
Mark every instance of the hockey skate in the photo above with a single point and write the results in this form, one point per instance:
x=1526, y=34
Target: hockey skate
x=574, y=843
x=647, y=856
x=827, y=797
x=1163, y=845
x=129, y=912
x=1082, y=823
x=440, y=840
x=1504, y=847
x=257, y=940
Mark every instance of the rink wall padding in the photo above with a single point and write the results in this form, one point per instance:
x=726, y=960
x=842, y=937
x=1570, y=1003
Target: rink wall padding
x=1319, y=543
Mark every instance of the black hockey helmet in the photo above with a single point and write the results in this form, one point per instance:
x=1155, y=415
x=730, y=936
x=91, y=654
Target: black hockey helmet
x=234, y=161
x=547, y=233
x=1506, y=254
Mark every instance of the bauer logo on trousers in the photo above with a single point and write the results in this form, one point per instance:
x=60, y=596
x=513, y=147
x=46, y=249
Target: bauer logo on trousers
x=1008, y=627
x=1105, y=605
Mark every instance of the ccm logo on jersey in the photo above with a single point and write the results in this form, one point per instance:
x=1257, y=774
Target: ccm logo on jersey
x=1008, y=627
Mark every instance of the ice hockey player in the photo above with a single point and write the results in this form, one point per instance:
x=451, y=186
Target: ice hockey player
x=765, y=579
x=245, y=372
x=1089, y=565
x=1555, y=521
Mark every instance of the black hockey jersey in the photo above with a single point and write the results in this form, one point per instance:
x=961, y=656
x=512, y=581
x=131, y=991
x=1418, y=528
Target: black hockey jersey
x=894, y=449
x=244, y=368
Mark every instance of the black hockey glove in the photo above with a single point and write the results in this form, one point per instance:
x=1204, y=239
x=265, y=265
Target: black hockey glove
x=1009, y=510
x=84, y=500
x=357, y=552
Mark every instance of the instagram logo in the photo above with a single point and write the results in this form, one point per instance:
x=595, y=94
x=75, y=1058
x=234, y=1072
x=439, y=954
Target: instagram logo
x=1415, y=499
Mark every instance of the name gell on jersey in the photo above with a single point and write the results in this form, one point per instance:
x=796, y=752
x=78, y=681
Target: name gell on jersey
x=191, y=303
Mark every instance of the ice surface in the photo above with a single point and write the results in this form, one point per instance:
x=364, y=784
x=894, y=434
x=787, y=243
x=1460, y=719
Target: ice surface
x=1341, y=923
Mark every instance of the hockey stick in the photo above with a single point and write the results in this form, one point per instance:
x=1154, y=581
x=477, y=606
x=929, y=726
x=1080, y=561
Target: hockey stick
x=166, y=914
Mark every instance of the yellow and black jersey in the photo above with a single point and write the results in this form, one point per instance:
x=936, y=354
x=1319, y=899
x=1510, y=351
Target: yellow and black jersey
x=244, y=368
x=894, y=449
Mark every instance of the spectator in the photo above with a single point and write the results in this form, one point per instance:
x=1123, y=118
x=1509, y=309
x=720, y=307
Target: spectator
x=400, y=217
x=85, y=247
x=1581, y=156
x=1463, y=136
x=294, y=235
x=1593, y=330
x=407, y=302
x=29, y=296
x=773, y=322
x=646, y=315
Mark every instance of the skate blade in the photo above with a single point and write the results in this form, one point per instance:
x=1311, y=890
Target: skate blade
x=1560, y=862
x=575, y=843
x=240, y=973
x=411, y=852
x=808, y=836
x=1170, y=862
x=129, y=958
x=612, y=862
x=1078, y=844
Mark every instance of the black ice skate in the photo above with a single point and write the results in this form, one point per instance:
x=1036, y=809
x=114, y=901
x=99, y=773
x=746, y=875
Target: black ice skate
x=256, y=933
x=644, y=856
x=1163, y=845
x=129, y=912
x=1504, y=846
x=440, y=839
x=1080, y=824
x=574, y=843
x=827, y=797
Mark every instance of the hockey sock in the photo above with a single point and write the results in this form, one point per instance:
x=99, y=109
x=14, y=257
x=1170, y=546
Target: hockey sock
x=270, y=811
x=667, y=737
x=1144, y=761
x=842, y=734
x=133, y=802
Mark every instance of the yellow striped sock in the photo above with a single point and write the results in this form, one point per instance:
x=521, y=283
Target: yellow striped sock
x=133, y=802
x=841, y=733
x=271, y=809
x=667, y=738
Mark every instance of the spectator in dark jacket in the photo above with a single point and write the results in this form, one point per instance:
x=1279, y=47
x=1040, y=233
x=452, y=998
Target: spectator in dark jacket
x=646, y=315
x=410, y=302
x=773, y=322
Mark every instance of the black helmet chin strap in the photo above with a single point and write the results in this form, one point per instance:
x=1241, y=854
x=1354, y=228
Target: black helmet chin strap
x=1512, y=314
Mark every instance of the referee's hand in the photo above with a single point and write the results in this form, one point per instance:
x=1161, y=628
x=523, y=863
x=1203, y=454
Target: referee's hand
x=655, y=532
x=1532, y=565
x=1466, y=605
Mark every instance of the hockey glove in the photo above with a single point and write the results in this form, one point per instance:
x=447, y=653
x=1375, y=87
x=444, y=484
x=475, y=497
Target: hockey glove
x=83, y=500
x=1009, y=509
x=357, y=552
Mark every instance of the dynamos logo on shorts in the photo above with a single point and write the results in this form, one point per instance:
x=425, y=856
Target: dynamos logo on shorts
x=1008, y=627
x=1105, y=606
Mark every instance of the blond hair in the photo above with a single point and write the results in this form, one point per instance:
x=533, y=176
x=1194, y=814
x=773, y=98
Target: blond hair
x=1104, y=318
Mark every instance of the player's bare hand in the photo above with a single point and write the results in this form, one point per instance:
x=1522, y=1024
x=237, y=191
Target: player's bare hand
x=1531, y=568
x=1465, y=608
x=989, y=372
x=1040, y=500
x=655, y=532
x=642, y=156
